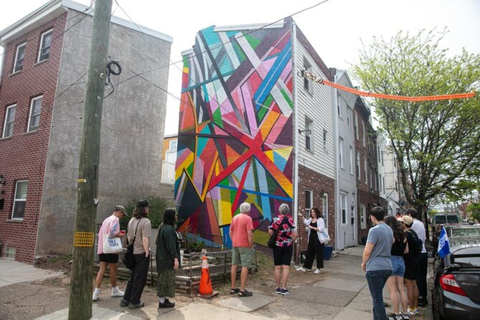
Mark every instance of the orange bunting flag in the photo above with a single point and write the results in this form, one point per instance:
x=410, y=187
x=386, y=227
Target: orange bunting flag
x=310, y=76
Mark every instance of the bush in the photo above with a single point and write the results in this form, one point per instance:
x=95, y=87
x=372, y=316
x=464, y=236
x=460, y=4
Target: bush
x=157, y=207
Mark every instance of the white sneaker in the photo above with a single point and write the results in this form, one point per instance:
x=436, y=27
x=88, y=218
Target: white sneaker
x=95, y=295
x=117, y=292
x=301, y=269
x=317, y=271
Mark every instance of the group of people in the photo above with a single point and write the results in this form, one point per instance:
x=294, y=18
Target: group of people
x=395, y=255
x=139, y=232
x=283, y=227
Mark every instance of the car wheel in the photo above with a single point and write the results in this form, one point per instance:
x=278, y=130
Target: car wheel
x=436, y=304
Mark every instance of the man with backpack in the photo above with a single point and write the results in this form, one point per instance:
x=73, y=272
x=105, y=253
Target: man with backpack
x=411, y=264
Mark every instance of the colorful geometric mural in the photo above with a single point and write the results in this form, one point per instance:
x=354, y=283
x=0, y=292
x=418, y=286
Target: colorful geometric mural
x=235, y=131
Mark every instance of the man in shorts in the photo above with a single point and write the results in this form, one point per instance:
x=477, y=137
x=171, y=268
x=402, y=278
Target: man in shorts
x=241, y=233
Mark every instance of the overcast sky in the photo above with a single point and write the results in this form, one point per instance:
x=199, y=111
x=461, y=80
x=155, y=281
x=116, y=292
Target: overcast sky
x=334, y=28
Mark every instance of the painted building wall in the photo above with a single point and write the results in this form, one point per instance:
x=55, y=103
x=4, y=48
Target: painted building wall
x=235, y=130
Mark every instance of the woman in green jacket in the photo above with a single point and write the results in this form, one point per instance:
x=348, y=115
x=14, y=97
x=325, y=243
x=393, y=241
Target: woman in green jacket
x=167, y=256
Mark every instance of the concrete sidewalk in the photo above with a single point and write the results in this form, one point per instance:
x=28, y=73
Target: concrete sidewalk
x=340, y=293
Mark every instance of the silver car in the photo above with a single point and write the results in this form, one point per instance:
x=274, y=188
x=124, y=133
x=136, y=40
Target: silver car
x=456, y=291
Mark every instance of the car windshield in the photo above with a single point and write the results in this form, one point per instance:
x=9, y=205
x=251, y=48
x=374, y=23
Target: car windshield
x=440, y=219
x=466, y=232
x=453, y=219
x=468, y=261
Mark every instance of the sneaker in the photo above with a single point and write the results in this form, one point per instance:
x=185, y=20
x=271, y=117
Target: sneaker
x=412, y=312
x=117, y=292
x=317, y=271
x=278, y=290
x=405, y=315
x=95, y=295
x=166, y=304
x=124, y=303
x=285, y=291
x=136, y=305
x=301, y=269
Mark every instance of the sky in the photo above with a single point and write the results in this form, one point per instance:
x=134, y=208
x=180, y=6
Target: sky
x=335, y=28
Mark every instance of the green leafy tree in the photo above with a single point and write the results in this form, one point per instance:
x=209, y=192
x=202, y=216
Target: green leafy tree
x=157, y=207
x=437, y=143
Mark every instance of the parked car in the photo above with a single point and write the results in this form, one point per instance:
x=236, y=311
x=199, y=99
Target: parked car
x=440, y=220
x=456, y=289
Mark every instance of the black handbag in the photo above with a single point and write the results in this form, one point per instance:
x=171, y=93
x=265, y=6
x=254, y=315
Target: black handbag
x=128, y=258
x=273, y=238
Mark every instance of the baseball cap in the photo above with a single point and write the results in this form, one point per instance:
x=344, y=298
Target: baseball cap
x=142, y=203
x=121, y=208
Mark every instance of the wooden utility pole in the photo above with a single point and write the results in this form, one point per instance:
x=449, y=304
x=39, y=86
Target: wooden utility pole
x=87, y=182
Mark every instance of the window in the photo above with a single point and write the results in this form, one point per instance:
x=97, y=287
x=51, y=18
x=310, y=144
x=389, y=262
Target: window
x=9, y=121
x=173, y=145
x=364, y=134
x=341, y=154
x=19, y=57
x=396, y=185
x=325, y=208
x=380, y=182
x=324, y=139
x=349, y=113
x=378, y=154
x=357, y=156
x=308, y=199
x=307, y=83
x=35, y=109
x=383, y=179
x=45, y=43
x=350, y=154
x=343, y=206
x=355, y=124
x=20, y=200
x=340, y=106
x=382, y=159
x=308, y=134
x=363, y=217
x=365, y=178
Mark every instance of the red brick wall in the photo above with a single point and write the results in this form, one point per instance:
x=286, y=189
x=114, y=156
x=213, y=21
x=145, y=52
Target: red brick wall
x=23, y=156
x=318, y=183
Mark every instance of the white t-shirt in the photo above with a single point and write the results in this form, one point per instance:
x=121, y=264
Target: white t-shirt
x=419, y=228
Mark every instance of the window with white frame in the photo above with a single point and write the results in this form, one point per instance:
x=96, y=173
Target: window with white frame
x=357, y=157
x=350, y=155
x=349, y=115
x=340, y=103
x=365, y=177
x=35, y=110
x=325, y=208
x=380, y=182
x=355, y=124
x=308, y=200
x=308, y=134
x=307, y=83
x=20, y=200
x=340, y=153
x=383, y=179
x=343, y=207
x=363, y=217
x=9, y=121
x=364, y=134
x=378, y=154
x=19, y=57
x=382, y=158
x=45, y=44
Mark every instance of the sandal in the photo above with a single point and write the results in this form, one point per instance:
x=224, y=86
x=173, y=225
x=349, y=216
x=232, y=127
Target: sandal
x=245, y=293
x=233, y=291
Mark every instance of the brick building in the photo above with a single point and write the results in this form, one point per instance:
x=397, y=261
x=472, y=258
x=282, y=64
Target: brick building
x=41, y=102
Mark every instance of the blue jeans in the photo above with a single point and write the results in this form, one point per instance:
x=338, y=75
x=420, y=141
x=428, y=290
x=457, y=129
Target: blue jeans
x=376, y=281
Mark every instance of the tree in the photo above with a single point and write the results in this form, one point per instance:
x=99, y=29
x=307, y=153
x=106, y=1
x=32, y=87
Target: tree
x=437, y=143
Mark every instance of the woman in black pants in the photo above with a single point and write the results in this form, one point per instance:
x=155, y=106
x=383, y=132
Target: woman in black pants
x=315, y=225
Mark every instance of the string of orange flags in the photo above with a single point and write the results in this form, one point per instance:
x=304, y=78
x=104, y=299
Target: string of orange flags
x=316, y=79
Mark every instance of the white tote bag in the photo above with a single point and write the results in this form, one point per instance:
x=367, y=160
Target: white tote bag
x=112, y=245
x=323, y=236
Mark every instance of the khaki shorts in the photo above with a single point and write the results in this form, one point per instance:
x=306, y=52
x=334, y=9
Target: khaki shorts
x=242, y=256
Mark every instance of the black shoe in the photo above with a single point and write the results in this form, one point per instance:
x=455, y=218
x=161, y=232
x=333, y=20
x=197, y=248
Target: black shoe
x=166, y=304
x=124, y=303
x=136, y=305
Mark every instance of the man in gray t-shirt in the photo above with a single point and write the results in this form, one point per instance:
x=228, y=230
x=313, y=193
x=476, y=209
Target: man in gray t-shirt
x=376, y=260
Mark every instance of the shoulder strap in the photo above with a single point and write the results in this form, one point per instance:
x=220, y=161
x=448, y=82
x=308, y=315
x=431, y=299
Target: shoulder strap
x=135, y=234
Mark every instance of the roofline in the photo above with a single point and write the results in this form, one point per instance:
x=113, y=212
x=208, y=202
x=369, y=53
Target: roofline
x=55, y=8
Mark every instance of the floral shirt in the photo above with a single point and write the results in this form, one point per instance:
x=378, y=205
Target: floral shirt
x=285, y=230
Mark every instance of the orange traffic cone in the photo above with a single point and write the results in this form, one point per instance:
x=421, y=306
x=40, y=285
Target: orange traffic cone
x=205, y=288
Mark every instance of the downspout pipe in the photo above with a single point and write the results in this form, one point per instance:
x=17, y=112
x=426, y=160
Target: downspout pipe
x=295, y=125
x=336, y=163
